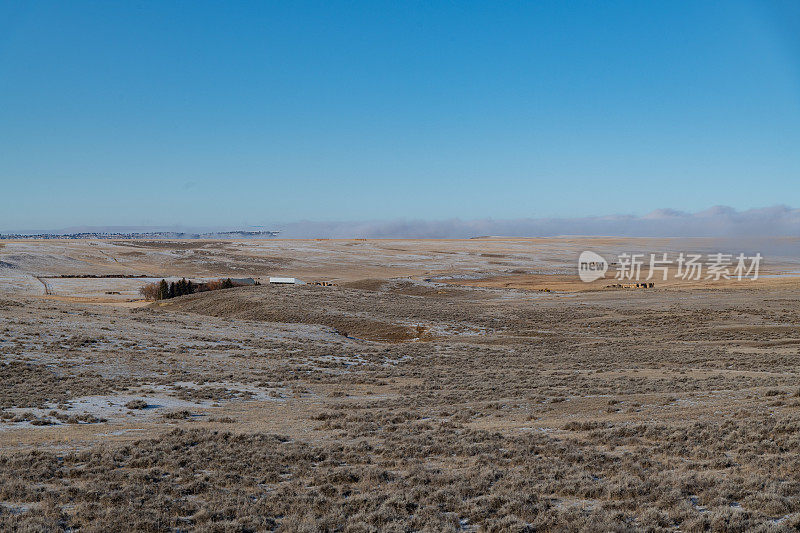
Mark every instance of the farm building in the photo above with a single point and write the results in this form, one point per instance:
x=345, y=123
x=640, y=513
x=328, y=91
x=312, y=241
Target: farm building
x=243, y=281
x=286, y=281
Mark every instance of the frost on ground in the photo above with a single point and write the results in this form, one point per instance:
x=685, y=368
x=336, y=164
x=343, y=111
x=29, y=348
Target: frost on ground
x=393, y=403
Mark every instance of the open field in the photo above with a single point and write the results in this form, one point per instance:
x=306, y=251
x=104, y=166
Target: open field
x=435, y=387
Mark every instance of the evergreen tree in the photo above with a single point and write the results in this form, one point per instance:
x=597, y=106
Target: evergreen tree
x=172, y=290
x=227, y=284
x=163, y=290
x=189, y=287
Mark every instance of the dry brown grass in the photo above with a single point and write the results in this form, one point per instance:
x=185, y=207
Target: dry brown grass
x=402, y=405
x=29, y=385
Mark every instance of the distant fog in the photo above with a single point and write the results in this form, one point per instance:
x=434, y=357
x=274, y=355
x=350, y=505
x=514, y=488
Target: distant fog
x=718, y=221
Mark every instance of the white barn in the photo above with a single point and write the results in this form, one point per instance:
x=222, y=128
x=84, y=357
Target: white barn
x=286, y=281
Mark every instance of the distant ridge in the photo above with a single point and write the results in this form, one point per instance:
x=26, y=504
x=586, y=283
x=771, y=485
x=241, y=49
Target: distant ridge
x=239, y=234
x=717, y=221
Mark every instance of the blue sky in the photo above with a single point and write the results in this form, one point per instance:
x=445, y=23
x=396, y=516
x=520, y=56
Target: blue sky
x=237, y=114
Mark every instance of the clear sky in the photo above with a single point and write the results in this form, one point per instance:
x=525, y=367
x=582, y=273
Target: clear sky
x=236, y=113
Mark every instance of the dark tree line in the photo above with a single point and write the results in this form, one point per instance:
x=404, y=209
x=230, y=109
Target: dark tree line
x=164, y=290
x=175, y=288
x=179, y=288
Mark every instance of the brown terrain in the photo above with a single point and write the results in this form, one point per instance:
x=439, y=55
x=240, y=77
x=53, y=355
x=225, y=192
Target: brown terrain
x=472, y=385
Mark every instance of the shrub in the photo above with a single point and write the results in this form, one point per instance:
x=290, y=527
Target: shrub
x=150, y=291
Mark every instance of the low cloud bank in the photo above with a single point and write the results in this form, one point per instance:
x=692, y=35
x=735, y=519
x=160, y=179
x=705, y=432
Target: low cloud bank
x=720, y=221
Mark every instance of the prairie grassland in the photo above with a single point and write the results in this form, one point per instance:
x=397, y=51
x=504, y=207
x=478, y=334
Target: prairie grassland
x=403, y=404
